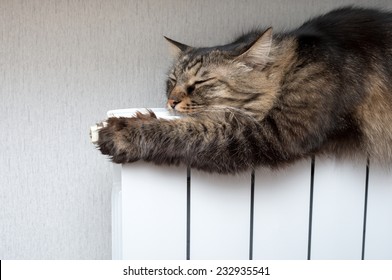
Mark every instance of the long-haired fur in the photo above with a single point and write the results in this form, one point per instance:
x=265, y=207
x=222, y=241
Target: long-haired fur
x=272, y=98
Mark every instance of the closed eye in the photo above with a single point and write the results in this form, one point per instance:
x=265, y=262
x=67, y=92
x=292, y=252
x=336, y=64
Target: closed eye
x=172, y=78
x=203, y=81
x=190, y=89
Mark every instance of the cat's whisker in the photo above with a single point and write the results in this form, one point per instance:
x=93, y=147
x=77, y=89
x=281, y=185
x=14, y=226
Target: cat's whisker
x=287, y=96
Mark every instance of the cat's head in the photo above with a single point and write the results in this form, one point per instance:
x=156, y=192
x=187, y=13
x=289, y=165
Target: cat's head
x=223, y=76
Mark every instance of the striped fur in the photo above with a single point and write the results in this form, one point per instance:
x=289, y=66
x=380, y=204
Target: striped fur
x=271, y=99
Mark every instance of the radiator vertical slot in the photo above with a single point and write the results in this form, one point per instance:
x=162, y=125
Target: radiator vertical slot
x=379, y=214
x=252, y=211
x=312, y=167
x=365, y=210
x=338, y=203
x=281, y=214
x=188, y=213
x=220, y=216
x=154, y=212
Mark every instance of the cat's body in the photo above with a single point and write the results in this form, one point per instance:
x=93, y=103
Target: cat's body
x=272, y=99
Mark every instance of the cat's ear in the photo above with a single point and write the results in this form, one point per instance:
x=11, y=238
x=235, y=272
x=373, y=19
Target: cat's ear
x=176, y=48
x=258, y=53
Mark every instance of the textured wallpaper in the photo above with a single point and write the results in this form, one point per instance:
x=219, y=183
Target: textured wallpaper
x=63, y=64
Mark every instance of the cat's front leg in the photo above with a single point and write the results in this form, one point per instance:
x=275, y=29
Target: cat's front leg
x=225, y=141
x=122, y=138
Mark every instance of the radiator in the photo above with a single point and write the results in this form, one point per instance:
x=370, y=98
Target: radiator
x=315, y=209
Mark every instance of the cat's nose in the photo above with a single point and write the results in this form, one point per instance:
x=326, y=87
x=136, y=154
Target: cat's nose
x=172, y=103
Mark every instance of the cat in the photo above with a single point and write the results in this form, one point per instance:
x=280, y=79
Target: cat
x=269, y=99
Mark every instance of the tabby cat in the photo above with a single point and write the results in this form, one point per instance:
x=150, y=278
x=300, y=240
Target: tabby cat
x=269, y=99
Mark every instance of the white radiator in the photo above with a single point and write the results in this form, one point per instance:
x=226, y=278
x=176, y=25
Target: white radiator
x=315, y=209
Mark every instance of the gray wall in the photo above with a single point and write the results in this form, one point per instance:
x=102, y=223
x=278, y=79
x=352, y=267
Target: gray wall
x=63, y=64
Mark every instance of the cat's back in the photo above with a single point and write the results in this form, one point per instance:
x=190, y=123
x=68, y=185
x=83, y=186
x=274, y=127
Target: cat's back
x=353, y=49
x=348, y=29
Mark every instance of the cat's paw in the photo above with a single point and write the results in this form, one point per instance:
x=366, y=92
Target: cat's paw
x=116, y=140
x=121, y=138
